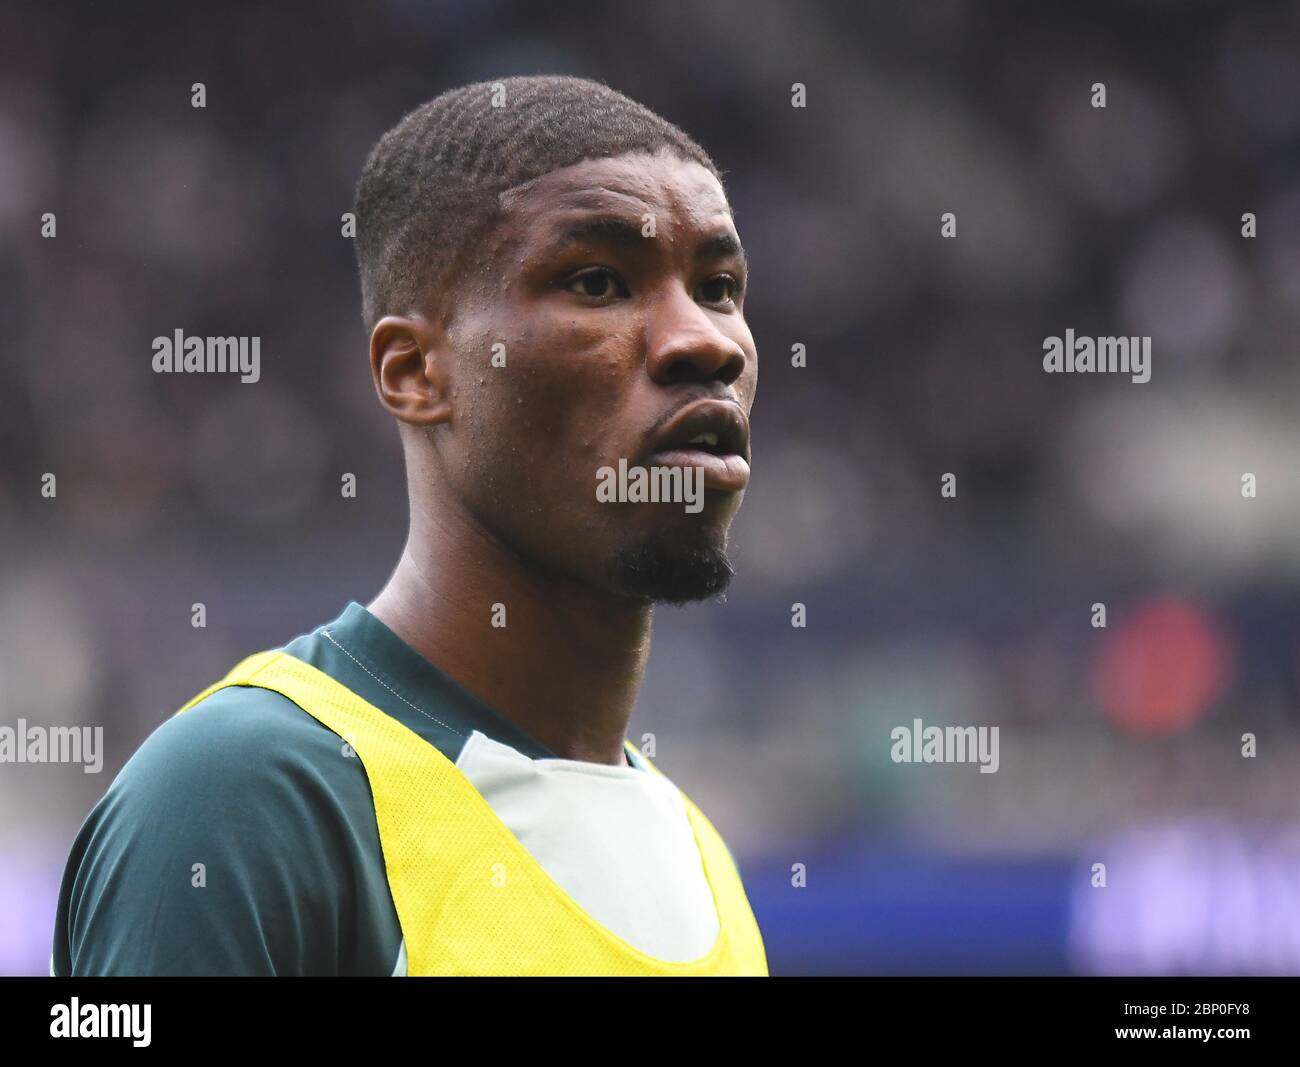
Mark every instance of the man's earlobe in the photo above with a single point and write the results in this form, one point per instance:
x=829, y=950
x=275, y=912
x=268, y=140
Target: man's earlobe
x=408, y=362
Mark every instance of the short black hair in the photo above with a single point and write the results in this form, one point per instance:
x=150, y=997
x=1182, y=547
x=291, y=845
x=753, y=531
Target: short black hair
x=430, y=186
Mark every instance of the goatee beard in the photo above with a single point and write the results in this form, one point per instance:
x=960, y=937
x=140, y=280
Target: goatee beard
x=663, y=573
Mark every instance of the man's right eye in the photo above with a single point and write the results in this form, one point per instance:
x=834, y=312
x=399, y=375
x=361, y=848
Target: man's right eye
x=599, y=284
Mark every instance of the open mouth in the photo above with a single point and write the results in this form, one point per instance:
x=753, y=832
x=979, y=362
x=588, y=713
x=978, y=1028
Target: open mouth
x=709, y=442
x=713, y=435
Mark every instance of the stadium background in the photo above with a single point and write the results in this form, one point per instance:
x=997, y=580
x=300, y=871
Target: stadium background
x=1119, y=745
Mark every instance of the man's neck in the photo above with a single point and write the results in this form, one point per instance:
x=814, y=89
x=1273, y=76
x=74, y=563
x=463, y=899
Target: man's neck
x=566, y=665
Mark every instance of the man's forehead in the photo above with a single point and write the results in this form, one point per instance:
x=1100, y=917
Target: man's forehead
x=663, y=184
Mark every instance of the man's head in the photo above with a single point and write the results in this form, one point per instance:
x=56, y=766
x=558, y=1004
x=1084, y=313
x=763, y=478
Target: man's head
x=553, y=283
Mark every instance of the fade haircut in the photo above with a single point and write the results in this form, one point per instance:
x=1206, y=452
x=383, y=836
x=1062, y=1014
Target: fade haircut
x=429, y=190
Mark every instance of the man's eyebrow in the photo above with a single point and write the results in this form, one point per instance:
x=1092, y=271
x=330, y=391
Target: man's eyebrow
x=721, y=246
x=604, y=229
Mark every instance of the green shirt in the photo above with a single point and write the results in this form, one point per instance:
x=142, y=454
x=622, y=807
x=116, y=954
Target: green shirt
x=279, y=814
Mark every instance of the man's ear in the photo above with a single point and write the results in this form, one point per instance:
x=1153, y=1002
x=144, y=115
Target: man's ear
x=408, y=362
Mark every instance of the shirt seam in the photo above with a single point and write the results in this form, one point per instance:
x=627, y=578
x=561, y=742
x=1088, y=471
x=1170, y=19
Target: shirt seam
x=415, y=707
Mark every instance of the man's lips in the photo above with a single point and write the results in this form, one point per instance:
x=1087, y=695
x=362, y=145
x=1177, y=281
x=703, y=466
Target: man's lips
x=711, y=434
x=730, y=473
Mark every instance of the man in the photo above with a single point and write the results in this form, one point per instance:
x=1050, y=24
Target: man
x=440, y=782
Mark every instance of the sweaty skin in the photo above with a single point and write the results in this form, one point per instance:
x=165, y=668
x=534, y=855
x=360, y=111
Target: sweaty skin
x=607, y=334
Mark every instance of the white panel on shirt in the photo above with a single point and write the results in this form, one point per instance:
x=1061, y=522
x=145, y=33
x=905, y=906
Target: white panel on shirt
x=616, y=839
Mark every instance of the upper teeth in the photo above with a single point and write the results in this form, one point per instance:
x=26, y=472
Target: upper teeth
x=704, y=439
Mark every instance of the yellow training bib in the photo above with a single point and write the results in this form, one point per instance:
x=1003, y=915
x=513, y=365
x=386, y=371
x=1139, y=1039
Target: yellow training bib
x=471, y=900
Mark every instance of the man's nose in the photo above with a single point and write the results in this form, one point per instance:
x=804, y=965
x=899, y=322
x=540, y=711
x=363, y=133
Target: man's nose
x=684, y=344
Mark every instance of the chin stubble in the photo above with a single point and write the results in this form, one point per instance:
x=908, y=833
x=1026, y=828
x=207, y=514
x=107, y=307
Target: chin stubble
x=659, y=572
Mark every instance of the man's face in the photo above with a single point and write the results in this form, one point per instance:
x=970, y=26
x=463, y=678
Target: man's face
x=616, y=287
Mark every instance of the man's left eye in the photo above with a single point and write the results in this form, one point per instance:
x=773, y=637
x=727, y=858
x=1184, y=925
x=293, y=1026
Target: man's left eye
x=720, y=289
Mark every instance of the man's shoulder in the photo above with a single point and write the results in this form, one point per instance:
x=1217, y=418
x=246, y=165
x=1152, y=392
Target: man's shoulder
x=242, y=715
x=241, y=734
x=241, y=759
x=237, y=828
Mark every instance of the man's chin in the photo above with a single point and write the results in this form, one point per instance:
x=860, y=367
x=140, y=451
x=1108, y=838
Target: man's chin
x=663, y=572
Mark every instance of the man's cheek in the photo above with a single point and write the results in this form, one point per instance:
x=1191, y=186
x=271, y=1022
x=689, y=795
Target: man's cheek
x=567, y=414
